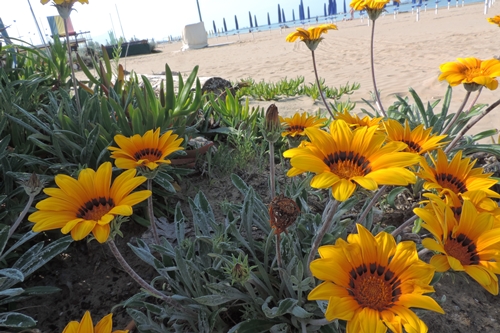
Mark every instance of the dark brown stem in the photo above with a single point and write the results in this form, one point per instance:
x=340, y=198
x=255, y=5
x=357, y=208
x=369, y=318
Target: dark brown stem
x=470, y=125
x=73, y=76
x=372, y=62
x=151, y=213
x=319, y=86
x=404, y=225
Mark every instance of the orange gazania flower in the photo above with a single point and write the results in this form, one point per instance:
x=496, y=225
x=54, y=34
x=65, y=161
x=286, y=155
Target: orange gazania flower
x=472, y=72
x=293, y=126
x=354, y=120
x=470, y=243
x=89, y=203
x=64, y=2
x=312, y=36
x=419, y=140
x=455, y=177
x=494, y=20
x=105, y=325
x=149, y=150
x=345, y=158
x=371, y=282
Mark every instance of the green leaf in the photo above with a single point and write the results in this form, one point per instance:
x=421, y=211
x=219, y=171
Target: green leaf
x=13, y=274
x=253, y=326
x=391, y=197
x=15, y=319
x=4, y=236
x=86, y=153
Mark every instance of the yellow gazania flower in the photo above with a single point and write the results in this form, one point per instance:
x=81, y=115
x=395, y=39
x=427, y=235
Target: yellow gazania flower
x=495, y=20
x=373, y=7
x=471, y=244
x=149, y=150
x=312, y=36
x=61, y=2
x=105, y=325
x=371, y=282
x=343, y=158
x=88, y=204
x=355, y=120
x=455, y=177
x=299, y=122
x=419, y=140
x=472, y=72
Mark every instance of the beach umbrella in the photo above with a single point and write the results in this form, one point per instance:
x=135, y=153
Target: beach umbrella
x=250, y=17
x=255, y=19
x=279, y=14
x=268, y=19
x=334, y=10
x=308, y=13
x=325, y=9
x=236, y=23
x=293, y=15
x=215, y=28
x=345, y=8
x=283, y=14
x=224, y=23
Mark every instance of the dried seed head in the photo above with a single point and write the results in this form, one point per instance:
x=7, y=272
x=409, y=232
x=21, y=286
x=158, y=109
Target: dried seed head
x=283, y=212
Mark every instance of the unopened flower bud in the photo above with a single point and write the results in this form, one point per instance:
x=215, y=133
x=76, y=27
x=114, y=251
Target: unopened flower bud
x=272, y=124
x=33, y=185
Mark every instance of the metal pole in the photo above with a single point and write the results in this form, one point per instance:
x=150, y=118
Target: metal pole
x=37, y=26
x=199, y=11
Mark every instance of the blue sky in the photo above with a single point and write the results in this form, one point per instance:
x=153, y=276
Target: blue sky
x=147, y=19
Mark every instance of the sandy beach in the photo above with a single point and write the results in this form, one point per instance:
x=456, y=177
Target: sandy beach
x=408, y=53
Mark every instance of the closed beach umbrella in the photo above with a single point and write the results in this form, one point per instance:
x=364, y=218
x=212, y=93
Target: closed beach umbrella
x=268, y=19
x=345, y=8
x=279, y=14
x=334, y=11
x=224, y=23
x=215, y=28
x=308, y=13
x=325, y=9
x=250, y=17
x=283, y=14
x=293, y=15
x=255, y=19
x=236, y=23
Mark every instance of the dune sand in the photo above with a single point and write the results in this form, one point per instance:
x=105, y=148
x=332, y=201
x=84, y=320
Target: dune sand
x=408, y=53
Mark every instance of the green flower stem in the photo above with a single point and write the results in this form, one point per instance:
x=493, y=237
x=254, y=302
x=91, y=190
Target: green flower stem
x=272, y=170
x=400, y=229
x=331, y=209
x=319, y=86
x=374, y=200
x=146, y=286
x=151, y=212
x=22, y=215
x=377, y=95
x=73, y=77
x=459, y=112
x=470, y=125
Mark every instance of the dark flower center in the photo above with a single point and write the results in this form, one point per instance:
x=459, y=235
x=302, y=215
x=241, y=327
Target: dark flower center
x=298, y=128
x=150, y=154
x=348, y=164
x=95, y=209
x=451, y=182
x=374, y=287
x=462, y=248
x=414, y=147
